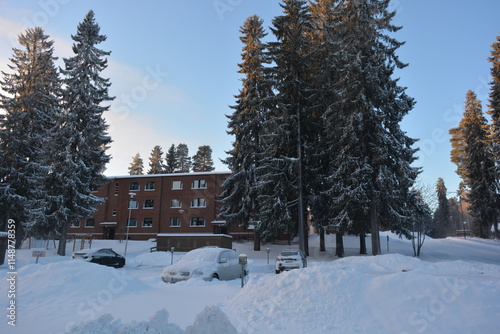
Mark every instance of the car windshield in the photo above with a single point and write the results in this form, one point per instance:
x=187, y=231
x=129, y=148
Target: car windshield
x=205, y=255
x=289, y=253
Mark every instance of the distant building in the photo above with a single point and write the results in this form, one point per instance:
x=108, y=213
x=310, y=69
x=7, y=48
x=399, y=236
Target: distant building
x=161, y=203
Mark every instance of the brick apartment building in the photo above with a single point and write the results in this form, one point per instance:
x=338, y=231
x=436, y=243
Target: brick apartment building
x=164, y=203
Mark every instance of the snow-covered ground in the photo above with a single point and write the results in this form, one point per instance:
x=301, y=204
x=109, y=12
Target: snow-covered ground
x=453, y=288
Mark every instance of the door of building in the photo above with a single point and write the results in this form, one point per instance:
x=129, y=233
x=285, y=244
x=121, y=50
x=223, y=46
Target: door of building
x=109, y=233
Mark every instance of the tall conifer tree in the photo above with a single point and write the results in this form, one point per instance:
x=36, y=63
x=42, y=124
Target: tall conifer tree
x=371, y=176
x=442, y=225
x=480, y=166
x=494, y=101
x=137, y=165
x=239, y=197
x=84, y=139
x=325, y=47
x=494, y=111
x=202, y=160
x=170, y=160
x=183, y=160
x=281, y=182
x=31, y=105
x=156, y=165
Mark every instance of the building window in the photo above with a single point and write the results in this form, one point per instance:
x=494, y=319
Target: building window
x=150, y=185
x=198, y=203
x=75, y=224
x=176, y=185
x=176, y=203
x=147, y=222
x=90, y=222
x=134, y=186
x=149, y=204
x=133, y=204
x=117, y=187
x=197, y=222
x=114, y=212
x=132, y=222
x=175, y=222
x=199, y=184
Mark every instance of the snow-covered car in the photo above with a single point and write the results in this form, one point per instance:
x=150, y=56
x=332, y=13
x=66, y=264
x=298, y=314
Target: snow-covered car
x=104, y=256
x=290, y=259
x=206, y=263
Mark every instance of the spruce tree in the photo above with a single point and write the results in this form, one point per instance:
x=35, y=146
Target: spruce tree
x=442, y=226
x=494, y=100
x=239, y=196
x=281, y=183
x=182, y=158
x=480, y=166
x=202, y=160
x=156, y=165
x=170, y=160
x=494, y=111
x=137, y=165
x=31, y=104
x=371, y=173
x=84, y=139
x=325, y=47
x=458, y=155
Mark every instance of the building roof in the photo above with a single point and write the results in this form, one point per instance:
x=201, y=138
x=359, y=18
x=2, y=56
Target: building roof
x=169, y=175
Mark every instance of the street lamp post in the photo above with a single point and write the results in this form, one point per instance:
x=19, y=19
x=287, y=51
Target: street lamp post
x=128, y=221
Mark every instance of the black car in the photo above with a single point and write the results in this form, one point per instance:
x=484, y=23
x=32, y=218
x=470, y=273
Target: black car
x=104, y=256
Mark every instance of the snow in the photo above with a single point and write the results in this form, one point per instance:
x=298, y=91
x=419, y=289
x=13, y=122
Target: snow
x=453, y=288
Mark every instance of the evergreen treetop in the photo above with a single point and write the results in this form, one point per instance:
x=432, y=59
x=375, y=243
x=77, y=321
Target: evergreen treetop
x=32, y=108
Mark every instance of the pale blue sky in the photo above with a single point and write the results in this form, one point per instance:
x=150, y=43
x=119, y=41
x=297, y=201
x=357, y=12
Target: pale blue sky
x=174, y=67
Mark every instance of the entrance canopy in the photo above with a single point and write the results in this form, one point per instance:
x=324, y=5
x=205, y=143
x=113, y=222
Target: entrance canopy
x=108, y=224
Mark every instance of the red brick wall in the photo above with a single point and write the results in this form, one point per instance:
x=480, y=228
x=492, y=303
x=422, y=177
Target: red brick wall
x=115, y=207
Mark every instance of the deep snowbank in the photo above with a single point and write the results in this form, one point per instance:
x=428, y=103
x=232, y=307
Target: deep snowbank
x=383, y=294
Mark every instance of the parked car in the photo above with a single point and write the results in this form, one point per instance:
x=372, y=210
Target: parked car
x=206, y=263
x=290, y=259
x=104, y=256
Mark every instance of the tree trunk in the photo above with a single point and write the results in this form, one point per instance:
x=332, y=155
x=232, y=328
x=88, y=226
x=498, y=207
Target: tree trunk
x=322, y=247
x=306, y=240
x=362, y=243
x=495, y=227
x=339, y=249
x=61, y=250
x=256, y=241
x=374, y=230
x=419, y=245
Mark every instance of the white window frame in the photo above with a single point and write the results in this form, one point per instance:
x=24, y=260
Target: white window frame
x=147, y=226
x=130, y=206
x=199, y=184
x=148, y=184
x=177, y=185
x=134, y=189
x=132, y=220
x=192, y=220
x=178, y=219
x=198, y=203
x=172, y=203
